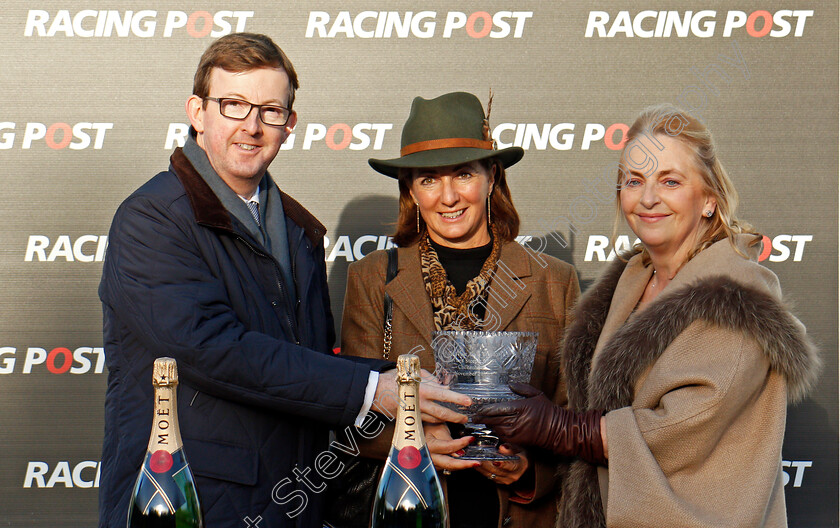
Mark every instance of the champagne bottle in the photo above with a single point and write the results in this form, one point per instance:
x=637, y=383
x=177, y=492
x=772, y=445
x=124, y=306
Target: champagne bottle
x=164, y=495
x=409, y=492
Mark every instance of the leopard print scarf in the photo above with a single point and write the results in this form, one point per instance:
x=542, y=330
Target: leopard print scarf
x=452, y=311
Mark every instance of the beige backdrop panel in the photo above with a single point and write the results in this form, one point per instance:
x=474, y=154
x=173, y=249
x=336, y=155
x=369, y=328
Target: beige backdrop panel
x=770, y=99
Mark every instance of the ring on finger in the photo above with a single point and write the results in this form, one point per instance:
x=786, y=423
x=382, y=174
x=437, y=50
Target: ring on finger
x=446, y=472
x=492, y=476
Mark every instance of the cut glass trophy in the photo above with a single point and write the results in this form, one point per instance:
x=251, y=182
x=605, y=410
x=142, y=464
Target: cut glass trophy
x=481, y=365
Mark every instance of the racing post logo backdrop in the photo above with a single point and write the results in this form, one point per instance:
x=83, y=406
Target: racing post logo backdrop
x=93, y=104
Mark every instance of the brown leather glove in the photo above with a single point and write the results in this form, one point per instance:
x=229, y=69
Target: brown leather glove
x=535, y=421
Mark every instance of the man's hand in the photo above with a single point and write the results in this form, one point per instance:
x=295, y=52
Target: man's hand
x=444, y=449
x=386, y=399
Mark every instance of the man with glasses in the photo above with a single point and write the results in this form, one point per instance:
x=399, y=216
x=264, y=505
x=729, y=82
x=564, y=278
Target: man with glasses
x=211, y=263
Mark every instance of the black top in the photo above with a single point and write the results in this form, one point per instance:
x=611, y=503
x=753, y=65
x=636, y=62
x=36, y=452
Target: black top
x=473, y=500
x=462, y=265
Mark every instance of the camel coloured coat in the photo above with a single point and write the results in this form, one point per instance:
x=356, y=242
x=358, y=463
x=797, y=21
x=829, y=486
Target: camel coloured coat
x=530, y=292
x=695, y=385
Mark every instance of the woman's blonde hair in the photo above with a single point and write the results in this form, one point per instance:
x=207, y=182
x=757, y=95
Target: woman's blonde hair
x=666, y=119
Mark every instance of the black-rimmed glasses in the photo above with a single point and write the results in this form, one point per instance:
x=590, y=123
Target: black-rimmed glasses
x=238, y=109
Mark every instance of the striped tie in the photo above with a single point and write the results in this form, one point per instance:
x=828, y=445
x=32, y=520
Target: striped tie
x=255, y=210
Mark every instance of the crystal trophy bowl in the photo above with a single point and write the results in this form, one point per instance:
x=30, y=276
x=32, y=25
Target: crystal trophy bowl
x=481, y=365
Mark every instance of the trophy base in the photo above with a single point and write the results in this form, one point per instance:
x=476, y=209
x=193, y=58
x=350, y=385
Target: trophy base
x=484, y=453
x=485, y=446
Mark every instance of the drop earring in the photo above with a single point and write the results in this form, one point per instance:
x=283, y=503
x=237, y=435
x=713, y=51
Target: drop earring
x=417, y=207
x=489, y=218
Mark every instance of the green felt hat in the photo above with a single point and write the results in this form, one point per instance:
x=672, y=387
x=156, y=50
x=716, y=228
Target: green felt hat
x=447, y=130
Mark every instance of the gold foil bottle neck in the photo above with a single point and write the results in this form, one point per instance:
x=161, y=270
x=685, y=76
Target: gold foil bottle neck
x=165, y=372
x=408, y=368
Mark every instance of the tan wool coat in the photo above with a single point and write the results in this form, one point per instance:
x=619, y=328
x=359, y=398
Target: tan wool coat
x=696, y=385
x=530, y=293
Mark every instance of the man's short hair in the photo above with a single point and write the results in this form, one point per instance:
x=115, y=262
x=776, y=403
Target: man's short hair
x=239, y=52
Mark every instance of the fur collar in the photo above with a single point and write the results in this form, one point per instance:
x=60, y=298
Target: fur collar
x=639, y=342
x=719, y=300
x=581, y=338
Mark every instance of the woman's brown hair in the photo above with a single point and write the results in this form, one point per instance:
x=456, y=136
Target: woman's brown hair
x=503, y=214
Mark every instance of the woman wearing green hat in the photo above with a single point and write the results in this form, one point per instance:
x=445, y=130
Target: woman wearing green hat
x=460, y=268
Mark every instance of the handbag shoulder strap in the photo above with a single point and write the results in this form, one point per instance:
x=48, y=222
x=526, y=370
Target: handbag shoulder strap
x=390, y=273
